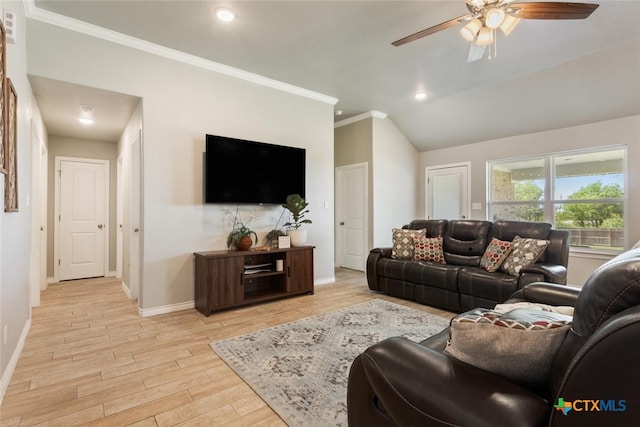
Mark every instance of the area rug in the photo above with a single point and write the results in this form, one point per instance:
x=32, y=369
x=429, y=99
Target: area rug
x=300, y=369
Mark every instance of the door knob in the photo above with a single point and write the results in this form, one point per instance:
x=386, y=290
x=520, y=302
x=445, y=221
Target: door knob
x=135, y=230
x=100, y=226
x=341, y=222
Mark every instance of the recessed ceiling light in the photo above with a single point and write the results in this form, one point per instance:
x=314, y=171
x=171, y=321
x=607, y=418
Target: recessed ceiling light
x=419, y=96
x=225, y=14
x=86, y=115
x=338, y=112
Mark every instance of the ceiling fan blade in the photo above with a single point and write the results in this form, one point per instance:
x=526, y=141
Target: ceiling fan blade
x=429, y=31
x=552, y=10
x=476, y=52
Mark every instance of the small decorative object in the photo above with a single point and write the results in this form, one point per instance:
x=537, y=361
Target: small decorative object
x=272, y=237
x=284, y=242
x=240, y=235
x=10, y=148
x=298, y=208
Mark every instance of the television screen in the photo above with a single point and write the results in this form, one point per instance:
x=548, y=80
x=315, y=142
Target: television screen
x=240, y=171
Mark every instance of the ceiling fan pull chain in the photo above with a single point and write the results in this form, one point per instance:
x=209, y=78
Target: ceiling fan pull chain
x=495, y=45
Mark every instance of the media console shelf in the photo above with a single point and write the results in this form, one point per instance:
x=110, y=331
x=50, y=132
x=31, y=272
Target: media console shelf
x=226, y=279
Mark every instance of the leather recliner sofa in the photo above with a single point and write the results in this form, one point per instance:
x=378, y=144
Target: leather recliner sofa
x=398, y=382
x=461, y=284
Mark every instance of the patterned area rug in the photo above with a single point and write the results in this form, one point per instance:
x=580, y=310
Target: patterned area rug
x=301, y=368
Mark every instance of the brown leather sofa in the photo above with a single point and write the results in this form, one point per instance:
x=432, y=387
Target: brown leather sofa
x=402, y=383
x=461, y=284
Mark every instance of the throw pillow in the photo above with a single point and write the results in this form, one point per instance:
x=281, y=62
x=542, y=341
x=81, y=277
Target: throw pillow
x=524, y=252
x=495, y=254
x=403, y=242
x=519, y=345
x=428, y=249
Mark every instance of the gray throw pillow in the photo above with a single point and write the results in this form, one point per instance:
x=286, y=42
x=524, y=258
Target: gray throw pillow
x=403, y=246
x=519, y=345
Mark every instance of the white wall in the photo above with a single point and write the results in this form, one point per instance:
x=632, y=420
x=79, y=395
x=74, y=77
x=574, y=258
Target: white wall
x=624, y=131
x=395, y=176
x=15, y=227
x=181, y=103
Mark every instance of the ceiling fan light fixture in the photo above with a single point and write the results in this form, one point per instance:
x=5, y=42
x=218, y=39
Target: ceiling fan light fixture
x=470, y=30
x=485, y=37
x=225, y=14
x=509, y=24
x=494, y=17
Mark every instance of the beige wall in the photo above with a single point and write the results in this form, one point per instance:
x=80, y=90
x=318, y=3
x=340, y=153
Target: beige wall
x=393, y=169
x=181, y=103
x=624, y=131
x=85, y=149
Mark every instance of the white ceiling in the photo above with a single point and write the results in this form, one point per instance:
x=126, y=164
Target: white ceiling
x=547, y=74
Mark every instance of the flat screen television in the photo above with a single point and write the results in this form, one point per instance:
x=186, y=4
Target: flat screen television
x=241, y=171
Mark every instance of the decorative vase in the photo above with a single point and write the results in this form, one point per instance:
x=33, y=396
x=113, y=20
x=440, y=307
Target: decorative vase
x=298, y=237
x=244, y=243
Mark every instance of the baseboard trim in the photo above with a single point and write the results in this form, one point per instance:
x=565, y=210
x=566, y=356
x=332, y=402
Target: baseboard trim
x=126, y=290
x=155, y=311
x=325, y=281
x=11, y=367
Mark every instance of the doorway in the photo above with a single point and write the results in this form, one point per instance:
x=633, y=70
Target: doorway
x=351, y=216
x=447, y=195
x=82, y=212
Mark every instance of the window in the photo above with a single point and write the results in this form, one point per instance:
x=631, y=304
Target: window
x=580, y=191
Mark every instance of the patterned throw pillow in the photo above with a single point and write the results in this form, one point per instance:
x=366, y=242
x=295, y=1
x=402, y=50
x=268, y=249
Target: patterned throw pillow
x=495, y=254
x=519, y=345
x=403, y=242
x=428, y=249
x=525, y=252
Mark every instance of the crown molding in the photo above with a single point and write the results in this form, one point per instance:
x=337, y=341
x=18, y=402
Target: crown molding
x=33, y=12
x=363, y=116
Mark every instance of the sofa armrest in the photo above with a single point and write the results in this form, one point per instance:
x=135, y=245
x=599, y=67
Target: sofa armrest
x=547, y=293
x=552, y=273
x=372, y=266
x=405, y=383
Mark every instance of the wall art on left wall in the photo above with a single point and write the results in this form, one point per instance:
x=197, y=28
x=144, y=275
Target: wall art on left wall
x=3, y=156
x=10, y=147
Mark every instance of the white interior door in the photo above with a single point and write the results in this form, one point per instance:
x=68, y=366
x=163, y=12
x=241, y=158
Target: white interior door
x=448, y=192
x=83, y=189
x=351, y=208
x=44, y=192
x=119, y=216
x=135, y=218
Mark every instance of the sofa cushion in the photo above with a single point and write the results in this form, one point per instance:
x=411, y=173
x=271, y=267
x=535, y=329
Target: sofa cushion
x=428, y=249
x=434, y=227
x=403, y=242
x=477, y=281
x=519, y=345
x=432, y=274
x=495, y=254
x=526, y=251
x=465, y=241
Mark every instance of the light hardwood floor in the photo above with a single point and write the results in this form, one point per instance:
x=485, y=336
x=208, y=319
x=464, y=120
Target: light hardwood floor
x=90, y=359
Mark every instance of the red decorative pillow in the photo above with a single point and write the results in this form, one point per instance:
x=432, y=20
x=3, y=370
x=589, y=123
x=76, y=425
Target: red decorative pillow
x=428, y=249
x=495, y=254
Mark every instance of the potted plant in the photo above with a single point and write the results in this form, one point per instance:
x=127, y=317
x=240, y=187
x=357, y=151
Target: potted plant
x=297, y=206
x=240, y=235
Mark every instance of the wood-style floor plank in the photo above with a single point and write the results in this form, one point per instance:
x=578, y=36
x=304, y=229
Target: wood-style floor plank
x=90, y=359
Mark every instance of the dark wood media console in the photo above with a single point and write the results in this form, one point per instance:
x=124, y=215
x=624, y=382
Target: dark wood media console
x=226, y=279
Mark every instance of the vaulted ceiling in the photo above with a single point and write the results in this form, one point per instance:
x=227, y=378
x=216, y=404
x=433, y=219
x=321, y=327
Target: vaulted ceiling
x=546, y=74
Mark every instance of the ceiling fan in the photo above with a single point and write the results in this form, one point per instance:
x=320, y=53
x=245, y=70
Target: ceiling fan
x=486, y=16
